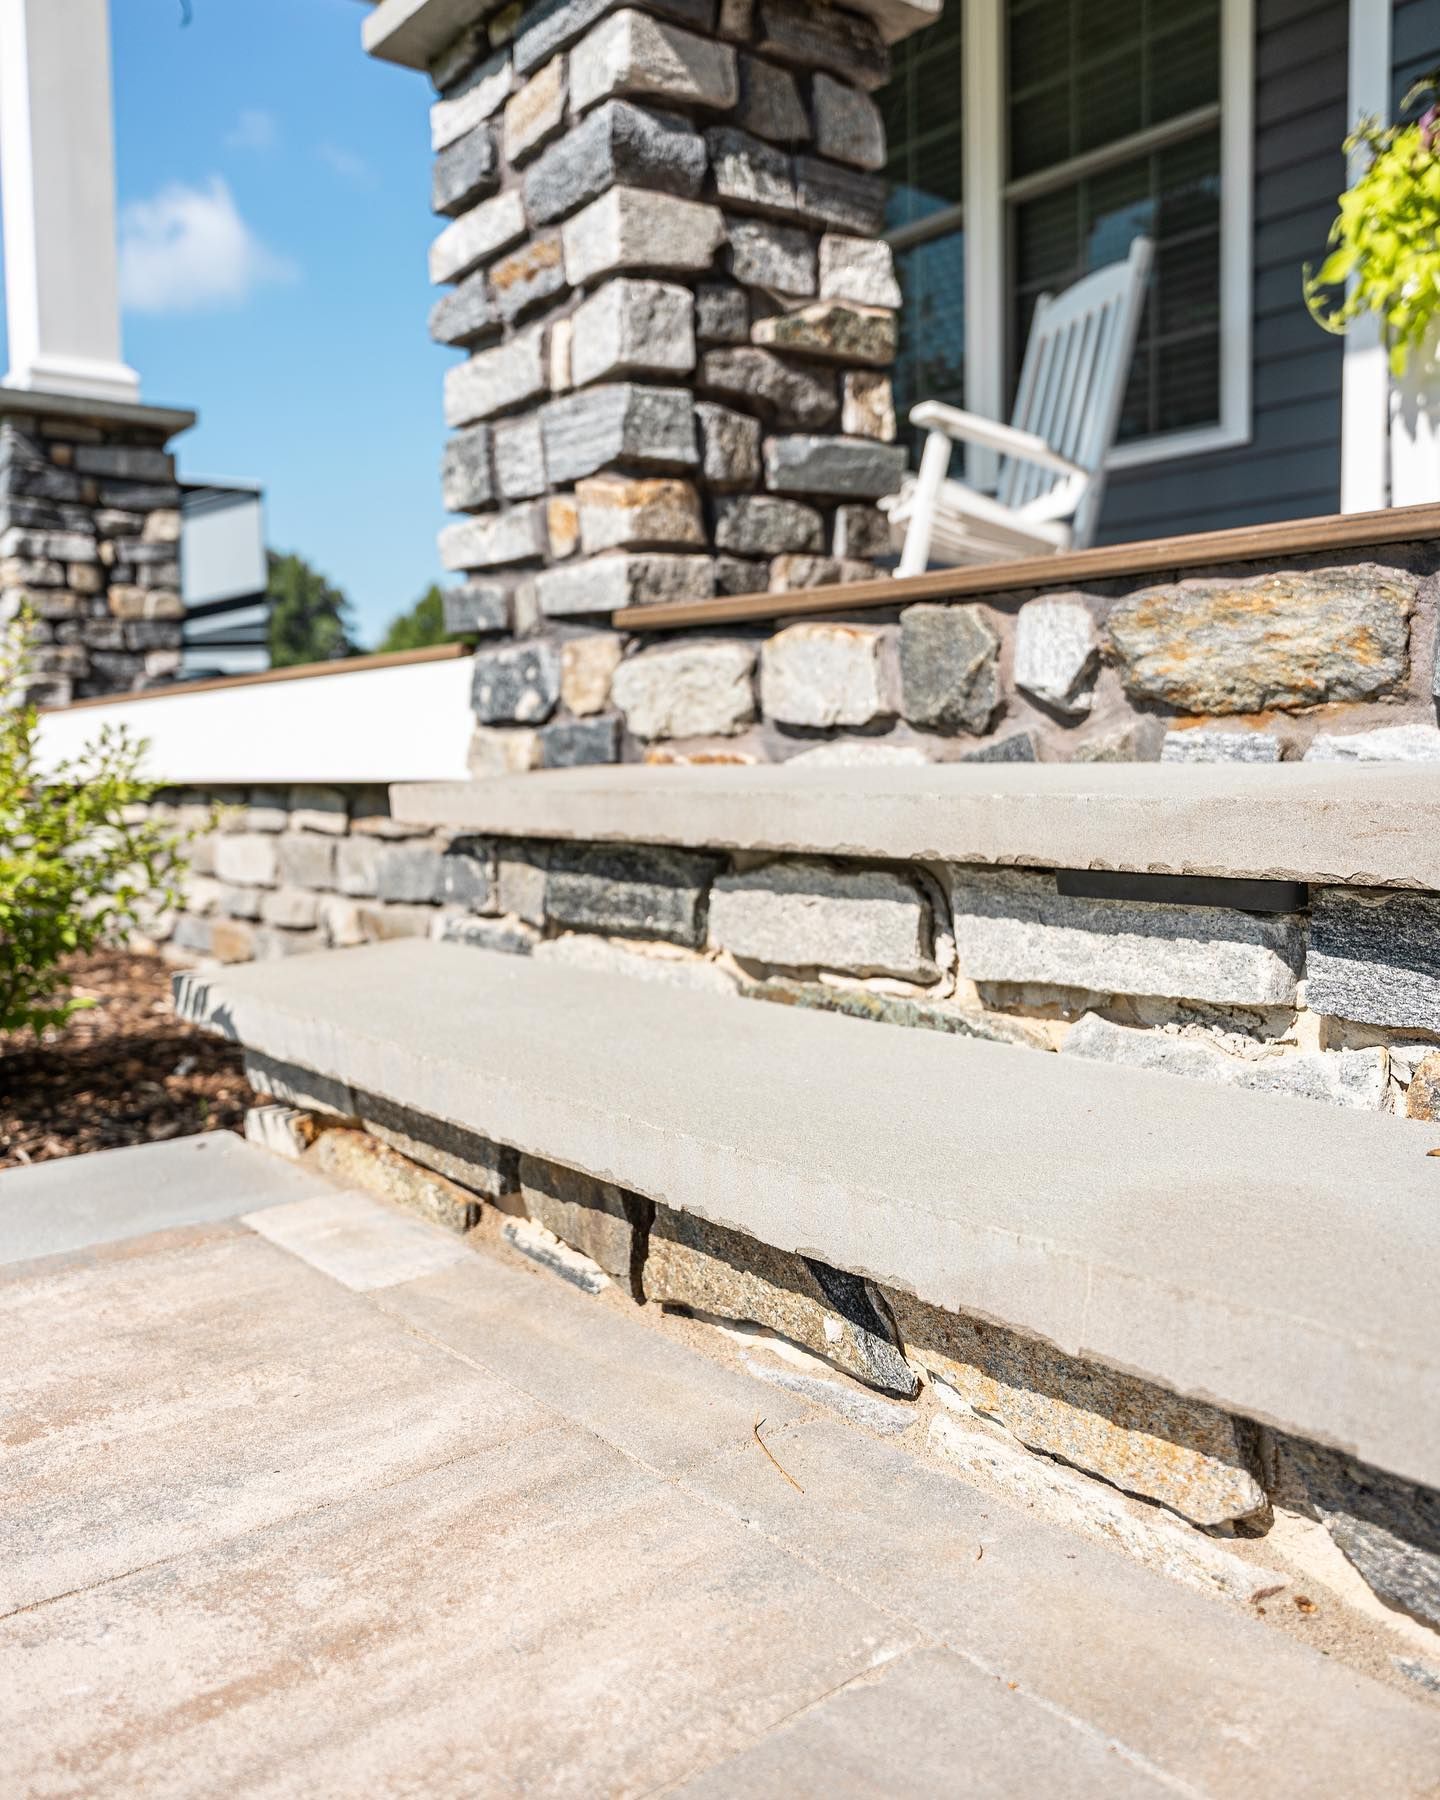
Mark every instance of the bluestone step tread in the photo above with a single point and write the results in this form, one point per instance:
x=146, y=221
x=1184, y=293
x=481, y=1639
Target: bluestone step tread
x=1273, y=1258
x=1322, y=822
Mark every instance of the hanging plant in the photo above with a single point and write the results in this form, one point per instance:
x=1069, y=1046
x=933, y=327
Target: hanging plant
x=1385, y=255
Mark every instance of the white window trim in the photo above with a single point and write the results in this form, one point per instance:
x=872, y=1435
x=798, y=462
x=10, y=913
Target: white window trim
x=986, y=265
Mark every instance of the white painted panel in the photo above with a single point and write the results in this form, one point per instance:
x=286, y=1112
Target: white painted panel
x=223, y=551
x=405, y=723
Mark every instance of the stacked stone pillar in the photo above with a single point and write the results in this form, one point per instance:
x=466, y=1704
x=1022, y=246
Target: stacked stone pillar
x=90, y=542
x=663, y=261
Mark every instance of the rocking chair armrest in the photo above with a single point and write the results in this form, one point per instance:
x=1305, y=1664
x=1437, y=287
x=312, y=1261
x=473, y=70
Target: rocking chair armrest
x=955, y=422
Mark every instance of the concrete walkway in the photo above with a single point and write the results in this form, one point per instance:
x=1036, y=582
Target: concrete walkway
x=300, y=1496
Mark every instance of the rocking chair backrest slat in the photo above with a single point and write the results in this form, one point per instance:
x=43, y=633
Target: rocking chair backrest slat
x=1073, y=380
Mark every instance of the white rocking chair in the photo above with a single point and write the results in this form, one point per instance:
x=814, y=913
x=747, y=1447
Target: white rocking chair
x=1052, y=469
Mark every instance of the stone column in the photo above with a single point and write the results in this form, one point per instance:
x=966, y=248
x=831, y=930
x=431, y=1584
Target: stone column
x=89, y=505
x=664, y=265
x=90, y=542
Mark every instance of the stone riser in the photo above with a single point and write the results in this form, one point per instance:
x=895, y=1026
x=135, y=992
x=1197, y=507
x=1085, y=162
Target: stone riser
x=1338, y=1003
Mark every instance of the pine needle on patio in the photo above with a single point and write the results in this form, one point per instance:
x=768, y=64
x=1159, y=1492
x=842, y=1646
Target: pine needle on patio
x=770, y=1453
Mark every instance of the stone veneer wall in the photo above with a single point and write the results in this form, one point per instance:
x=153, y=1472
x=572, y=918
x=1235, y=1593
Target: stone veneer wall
x=1318, y=659
x=90, y=545
x=1338, y=1001
x=663, y=263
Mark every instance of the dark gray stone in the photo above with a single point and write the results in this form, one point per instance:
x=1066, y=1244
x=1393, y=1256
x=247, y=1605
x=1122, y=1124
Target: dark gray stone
x=475, y=1162
x=126, y=462
x=948, y=668
x=765, y=525
x=490, y=934
x=1018, y=747
x=1375, y=957
x=770, y=103
x=740, y=575
x=748, y=173
x=766, y=255
x=721, y=1273
x=466, y=314
x=785, y=393
x=467, y=875
x=42, y=480
x=464, y=172
x=519, y=458
x=409, y=872
x=517, y=684
x=857, y=468
x=842, y=197
x=467, y=482
x=551, y=24
x=617, y=143
x=574, y=743
x=616, y=424
x=139, y=496
x=604, y=1222
x=1388, y=1528
x=476, y=608
x=823, y=37
x=862, y=531
x=722, y=314
x=630, y=891
x=729, y=446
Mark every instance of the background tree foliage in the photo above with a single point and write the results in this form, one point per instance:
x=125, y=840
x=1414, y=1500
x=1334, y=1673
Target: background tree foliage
x=422, y=626
x=309, y=619
x=77, y=868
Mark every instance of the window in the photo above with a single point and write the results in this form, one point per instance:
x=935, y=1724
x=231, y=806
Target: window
x=1094, y=121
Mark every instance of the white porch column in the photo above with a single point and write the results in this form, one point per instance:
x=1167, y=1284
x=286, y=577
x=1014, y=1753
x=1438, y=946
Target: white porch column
x=1365, y=370
x=57, y=186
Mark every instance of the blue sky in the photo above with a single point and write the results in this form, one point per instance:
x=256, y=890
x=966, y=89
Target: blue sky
x=274, y=221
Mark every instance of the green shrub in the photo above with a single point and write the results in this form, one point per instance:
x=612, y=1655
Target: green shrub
x=79, y=866
x=1386, y=239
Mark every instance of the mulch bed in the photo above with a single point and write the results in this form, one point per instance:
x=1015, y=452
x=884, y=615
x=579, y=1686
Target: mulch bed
x=125, y=1071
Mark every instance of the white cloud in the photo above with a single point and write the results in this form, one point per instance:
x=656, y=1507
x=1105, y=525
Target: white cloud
x=253, y=130
x=344, y=162
x=188, y=249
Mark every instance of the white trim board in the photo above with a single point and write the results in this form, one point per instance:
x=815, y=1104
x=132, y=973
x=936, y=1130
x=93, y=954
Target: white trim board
x=409, y=722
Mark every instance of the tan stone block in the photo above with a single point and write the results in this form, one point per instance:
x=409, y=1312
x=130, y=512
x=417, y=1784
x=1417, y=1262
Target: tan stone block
x=1294, y=639
x=128, y=602
x=586, y=667
x=1422, y=1098
x=161, y=526
x=358, y=1160
x=562, y=525
x=537, y=111
x=618, y=514
x=232, y=941
x=84, y=578
x=1190, y=1457
x=867, y=405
